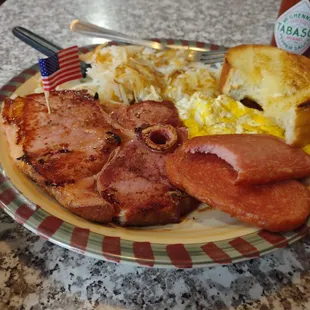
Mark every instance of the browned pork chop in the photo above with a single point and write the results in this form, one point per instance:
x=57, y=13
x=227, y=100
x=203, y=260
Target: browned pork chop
x=135, y=182
x=147, y=113
x=135, y=179
x=64, y=150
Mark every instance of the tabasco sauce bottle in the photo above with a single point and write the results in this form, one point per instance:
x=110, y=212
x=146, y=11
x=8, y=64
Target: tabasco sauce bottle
x=292, y=28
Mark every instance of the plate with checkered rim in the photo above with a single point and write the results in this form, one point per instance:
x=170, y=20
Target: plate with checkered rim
x=124, y=249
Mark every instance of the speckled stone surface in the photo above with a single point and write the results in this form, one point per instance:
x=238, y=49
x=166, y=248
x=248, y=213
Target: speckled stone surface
x=35, y=274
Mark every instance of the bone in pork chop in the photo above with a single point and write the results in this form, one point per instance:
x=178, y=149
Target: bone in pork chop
x=135, y=182
x=147, y=112
x=135, y=179
x=64, y=150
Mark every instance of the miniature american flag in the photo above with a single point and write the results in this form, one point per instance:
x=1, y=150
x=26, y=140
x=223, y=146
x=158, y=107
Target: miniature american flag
x=60, y=68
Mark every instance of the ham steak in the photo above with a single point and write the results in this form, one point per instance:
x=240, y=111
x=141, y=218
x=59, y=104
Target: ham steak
x=278, y=206
x=64, y=150
x=73, y=142
x=94, y=166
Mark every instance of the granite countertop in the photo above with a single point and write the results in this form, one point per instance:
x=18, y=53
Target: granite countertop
x=36, y=274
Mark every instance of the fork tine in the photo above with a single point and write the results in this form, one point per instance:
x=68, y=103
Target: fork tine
x=211, y=59
x=206, y=57
x=211, y=55
x=214, y=52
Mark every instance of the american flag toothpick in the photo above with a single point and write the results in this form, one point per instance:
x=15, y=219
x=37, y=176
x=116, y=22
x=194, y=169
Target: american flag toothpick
x=59, y=68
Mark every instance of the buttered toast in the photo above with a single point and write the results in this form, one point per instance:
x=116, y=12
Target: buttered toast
x=276, y=80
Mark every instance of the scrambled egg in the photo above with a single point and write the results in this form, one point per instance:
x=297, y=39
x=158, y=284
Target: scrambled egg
x=223, y=115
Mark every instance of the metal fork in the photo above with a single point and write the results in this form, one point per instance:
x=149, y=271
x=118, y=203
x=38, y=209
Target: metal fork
x=199, y=54
x=208, y=57
x=42, y=45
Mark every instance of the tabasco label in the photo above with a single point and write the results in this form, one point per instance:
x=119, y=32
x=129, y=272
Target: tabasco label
x=292, y=28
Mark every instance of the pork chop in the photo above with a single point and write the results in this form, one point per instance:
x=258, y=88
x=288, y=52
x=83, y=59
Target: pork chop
x=64, y=150
x=147, y=113
x=135, y=182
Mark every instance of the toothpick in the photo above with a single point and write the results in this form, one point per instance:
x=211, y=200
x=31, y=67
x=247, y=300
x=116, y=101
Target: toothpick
x=47, y=99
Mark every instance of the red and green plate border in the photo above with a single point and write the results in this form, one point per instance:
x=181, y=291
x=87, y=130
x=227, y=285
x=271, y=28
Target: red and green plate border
x=119, y=250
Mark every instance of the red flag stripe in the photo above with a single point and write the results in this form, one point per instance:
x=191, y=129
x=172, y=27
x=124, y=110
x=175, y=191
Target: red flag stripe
x=276, y=240
x=68, y=51
x=143, y=253
x=63, y=62
x=59, y=74
x=70, y=64
x=49, y=226
x=67, y=57
x=69, y=61
x=63, y=80
x=244, y=247
x=216, y=253
x=79, y=238
x=7, y=196
x=63, y=59
x=57, y=79
x=111, y=248
x=179, y=256
x=24, y=212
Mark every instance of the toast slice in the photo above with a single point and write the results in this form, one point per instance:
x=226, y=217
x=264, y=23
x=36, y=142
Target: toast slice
x=276, y=80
